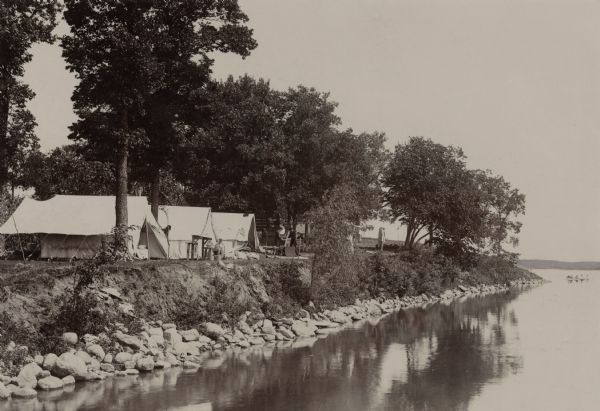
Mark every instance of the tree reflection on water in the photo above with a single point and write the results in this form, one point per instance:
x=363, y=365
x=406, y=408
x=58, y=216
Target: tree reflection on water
x=434, y=358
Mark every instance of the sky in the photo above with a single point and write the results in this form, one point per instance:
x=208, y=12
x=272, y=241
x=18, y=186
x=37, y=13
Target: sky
x=512, y=82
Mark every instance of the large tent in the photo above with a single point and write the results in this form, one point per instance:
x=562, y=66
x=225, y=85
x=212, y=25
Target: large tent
x=76, y=226
x=187, y=224
x=236, y=230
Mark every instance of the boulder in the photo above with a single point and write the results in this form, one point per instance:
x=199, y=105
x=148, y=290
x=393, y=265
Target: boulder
x=69, y=364
x=70, y=338
x=96, y=351
x=168, y=326
x=337, y=317
x=303, y=329
x=190, y=335
x=131, y=371
x=24, y=392
x=287, y=333
x=39, y=359
x=108, y=358
x=84, y=356
x=190, y=365
x=28, y=375
x=50, y=383
x=127, y=340
x=4, y=392
x=145, y=364
x=49, y=361
x=184, y=348
x=326, y=324
x=68, y=380
x=122, y=357
x=107, y=367
x=172, y=337
x=267, y=327
x=94, y=364
x=213, y=330
x=128, y=365
x=244, y=327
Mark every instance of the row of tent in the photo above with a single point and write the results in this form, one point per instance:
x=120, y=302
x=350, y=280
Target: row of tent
x=72, y=226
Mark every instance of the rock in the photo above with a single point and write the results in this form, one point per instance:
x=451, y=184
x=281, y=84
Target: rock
x=190, y=335
x=326, y=324
x=120, y=373
x=107, y=367
x=94, y=364
x=243, y=344
x=131, y=371
x=256, y=341
x=113, y=292
x=190, y=365
x=69, y=364
x=172, y=337
x=269, y=337
x=244, y=327
x=70, y=338
x=145, y=364
x=27, y=377
x=168, y=326
x=213, y=330
x=96, y=351
x=50, y=383
x=108, y=358
x=303, y=329
x=90, y=339
x=43, y=374
x=337, y=317
x=49, y=361
x=128, y=340
x=68, y=380
x=24, y=392
x=186, y=349
x=287, y=333
x=122, y=357
x=4, y=392
x=128, y=365
x=39, y=359
x=267, y=327
x=84, y=356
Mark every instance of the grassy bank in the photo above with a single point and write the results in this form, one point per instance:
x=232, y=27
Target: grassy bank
x=40, y=301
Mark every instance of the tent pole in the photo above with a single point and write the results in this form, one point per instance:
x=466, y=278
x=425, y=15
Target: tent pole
x=19, y=237
x=147, y=241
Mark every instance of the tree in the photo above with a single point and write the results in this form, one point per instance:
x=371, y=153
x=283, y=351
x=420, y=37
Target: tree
x=422, y=178
x=22, y=23
x=65, y=171
x=126, y=52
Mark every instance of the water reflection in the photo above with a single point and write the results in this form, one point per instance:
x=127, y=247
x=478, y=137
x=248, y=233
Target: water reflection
x=435, y=358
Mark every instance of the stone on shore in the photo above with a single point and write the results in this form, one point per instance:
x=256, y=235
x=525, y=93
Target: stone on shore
x=50, y=383
x=145, y=364
x=267, y=327
x=122, y=358
x=69, y=364
x=28, y=375
x=303, y=329
x=96, y=351
x=24, y=392
x=49, y=361
x=70, y=338
x=190, y=335
x=84, y=356
x=4, y=392
x=213, y=330
x=128, y=340
x=68, y=380
x=172, y=337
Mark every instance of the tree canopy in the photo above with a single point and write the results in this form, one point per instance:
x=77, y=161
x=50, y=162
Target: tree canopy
x=22, y=23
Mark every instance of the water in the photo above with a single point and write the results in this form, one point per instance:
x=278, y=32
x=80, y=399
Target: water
x=535, y=350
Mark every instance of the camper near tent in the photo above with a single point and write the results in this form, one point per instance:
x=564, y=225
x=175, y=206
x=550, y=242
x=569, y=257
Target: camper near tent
x=72, y=226
x=188, y=229
x=236, y=230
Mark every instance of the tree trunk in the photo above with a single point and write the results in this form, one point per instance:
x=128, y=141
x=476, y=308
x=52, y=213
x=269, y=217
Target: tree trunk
x=409, y=232
x=155, y=193
x=4, y=107
x=121, y=189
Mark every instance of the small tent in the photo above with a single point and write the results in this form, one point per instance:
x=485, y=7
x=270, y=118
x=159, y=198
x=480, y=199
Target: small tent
x=76, y=226
x=186, y=225
x=236, y=230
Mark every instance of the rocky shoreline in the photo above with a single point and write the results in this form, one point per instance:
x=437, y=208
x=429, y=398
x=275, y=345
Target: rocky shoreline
x=161, y=345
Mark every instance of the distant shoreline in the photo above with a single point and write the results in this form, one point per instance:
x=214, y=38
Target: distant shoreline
x=561, y=265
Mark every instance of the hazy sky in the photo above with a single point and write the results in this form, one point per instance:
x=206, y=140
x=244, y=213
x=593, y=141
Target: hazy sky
x=513, y=82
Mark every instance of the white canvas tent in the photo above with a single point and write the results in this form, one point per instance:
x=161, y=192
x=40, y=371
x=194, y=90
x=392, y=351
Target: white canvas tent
x=186, y=224
x=236, y=230
x=75, y=226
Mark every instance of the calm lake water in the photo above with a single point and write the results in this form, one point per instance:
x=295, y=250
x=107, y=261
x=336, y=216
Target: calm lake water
x=533, y=350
